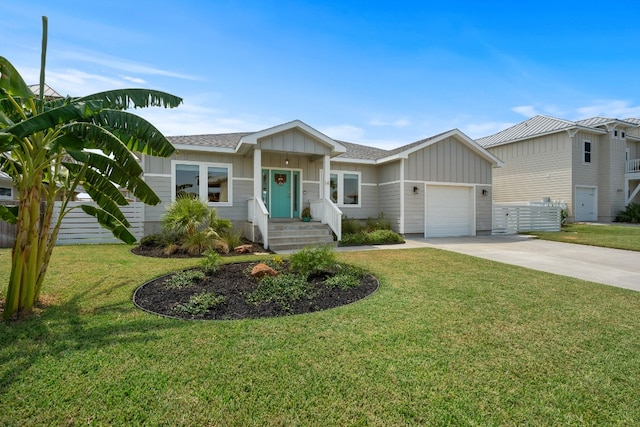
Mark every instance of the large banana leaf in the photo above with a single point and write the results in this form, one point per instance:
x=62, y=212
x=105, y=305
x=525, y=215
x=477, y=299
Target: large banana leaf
x=52, y=118
x=11, y=81
x=122, y=99
x=135, y=132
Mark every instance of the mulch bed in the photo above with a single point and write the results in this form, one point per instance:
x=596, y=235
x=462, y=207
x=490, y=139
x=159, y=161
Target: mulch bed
x=235, y=284
x=158, y=251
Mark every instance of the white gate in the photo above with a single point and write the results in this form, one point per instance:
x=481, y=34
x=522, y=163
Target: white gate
x=514, y=218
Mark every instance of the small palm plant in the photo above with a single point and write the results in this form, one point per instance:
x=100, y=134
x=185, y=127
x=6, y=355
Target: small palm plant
x=199, y=225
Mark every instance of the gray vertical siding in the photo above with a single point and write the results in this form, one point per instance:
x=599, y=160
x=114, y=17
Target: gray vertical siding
x=448, y=161
x=390, y=204
x=294, y=141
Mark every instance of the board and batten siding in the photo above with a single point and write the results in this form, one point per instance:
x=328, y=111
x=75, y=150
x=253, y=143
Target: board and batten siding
x=448, y=160
x=484, y=210
x=294, y=141
x=534, y=169
x=389, y=195
x=414, y=207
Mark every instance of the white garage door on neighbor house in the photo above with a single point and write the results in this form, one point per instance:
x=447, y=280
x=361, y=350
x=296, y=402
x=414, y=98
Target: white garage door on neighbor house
x=449, y=211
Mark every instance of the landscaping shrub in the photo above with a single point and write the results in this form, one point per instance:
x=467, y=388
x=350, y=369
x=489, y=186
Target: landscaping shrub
x=211, y=262
x=379, y=223
x=351, y=225
x=198, y=228
x=184, y=279
x=314, y=260
x=200, y=303
x=281, y=289
x=348, y=276
x=231, y=237
x=377, y=237
x=630, y=214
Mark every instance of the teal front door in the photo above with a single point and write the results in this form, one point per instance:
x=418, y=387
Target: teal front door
x=280, y=194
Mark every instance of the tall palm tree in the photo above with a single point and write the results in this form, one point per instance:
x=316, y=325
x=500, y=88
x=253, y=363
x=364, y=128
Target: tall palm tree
x=50, y=148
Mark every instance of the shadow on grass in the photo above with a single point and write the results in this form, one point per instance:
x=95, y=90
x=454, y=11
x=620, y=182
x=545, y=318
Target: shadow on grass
x=60, y=329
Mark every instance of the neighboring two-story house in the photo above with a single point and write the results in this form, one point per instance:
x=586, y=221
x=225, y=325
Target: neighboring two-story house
x=592, y=165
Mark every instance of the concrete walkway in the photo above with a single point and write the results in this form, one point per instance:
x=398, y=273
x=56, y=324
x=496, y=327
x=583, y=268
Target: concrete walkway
x=613, y=267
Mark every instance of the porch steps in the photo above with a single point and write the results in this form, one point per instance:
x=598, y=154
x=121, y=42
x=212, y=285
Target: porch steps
x=292, y=235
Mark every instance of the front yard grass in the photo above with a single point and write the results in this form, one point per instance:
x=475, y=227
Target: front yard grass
x=447, y=339
x=605, y=235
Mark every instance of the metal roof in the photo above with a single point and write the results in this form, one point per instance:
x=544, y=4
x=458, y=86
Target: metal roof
x=537, y=125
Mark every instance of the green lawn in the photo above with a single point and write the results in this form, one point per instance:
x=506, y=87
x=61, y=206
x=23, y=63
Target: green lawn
x=448, y=340
x=608, y=236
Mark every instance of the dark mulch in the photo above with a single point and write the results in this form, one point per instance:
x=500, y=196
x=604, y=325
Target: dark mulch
x=234, y=282
x=158, y=251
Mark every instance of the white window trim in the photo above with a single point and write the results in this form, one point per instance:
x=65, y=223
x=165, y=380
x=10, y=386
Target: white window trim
x=10, y=196
x=341, y=174
x=203, y=172
x=584, y=151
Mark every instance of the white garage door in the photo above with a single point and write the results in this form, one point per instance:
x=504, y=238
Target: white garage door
x=586, y=204
x=449, y=211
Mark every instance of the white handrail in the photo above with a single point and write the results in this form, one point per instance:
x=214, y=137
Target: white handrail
x=258, y=215
x=633, y=166
x=329, y=214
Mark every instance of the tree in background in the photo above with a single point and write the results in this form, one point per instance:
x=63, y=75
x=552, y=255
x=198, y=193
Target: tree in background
x=51, y=148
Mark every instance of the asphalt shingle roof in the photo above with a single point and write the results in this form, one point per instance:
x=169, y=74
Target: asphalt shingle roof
x=222, y=140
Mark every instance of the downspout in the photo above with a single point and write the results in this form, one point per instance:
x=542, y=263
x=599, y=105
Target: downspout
x=401, y=225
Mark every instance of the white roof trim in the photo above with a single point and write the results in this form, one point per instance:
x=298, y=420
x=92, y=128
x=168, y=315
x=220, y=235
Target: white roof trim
x=204, y=148
x=253, y=138
x=470, y=143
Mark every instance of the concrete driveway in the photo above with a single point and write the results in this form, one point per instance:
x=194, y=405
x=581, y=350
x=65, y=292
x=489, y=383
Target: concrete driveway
x=613, y=267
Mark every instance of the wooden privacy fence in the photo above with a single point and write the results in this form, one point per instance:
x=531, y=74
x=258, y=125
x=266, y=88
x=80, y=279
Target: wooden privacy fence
x=513, y=218
x=78, y=227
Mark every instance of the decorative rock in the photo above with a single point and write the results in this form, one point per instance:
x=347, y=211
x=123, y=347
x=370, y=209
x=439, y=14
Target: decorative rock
x=261, y=270
x=243, y=249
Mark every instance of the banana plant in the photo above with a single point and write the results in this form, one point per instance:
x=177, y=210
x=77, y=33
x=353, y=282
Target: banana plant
x=52, y=148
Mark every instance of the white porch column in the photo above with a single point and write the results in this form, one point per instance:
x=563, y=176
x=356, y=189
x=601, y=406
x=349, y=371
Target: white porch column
x=257, y=173
x=326, y=179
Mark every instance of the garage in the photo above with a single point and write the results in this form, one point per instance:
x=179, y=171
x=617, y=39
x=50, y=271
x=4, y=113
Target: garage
x=585, y=209
x=449, y=211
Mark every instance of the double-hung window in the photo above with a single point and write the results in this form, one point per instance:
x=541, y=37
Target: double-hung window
x=210, y=182
x=586, y=152
x=345, y=188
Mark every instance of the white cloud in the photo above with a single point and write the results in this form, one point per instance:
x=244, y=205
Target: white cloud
x=526, y=110
x=479, y=130
x=347, y=133
x=619, y=109
x=135, y=80
x=398, y=123
x=121, y=64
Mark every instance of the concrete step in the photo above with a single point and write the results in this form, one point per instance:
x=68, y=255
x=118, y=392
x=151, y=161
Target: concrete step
x=288, y=236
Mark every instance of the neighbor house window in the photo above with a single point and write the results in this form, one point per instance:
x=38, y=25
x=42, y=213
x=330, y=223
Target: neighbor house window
x=210, y=182
x=345, y=188
x=587, y=152
x=6, y=193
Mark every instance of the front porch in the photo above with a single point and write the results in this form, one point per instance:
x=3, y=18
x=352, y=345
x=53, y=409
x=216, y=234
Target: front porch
x=632, y=180
x=291, y=165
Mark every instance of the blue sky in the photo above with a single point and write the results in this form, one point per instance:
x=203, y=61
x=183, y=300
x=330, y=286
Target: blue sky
x=371, y=72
